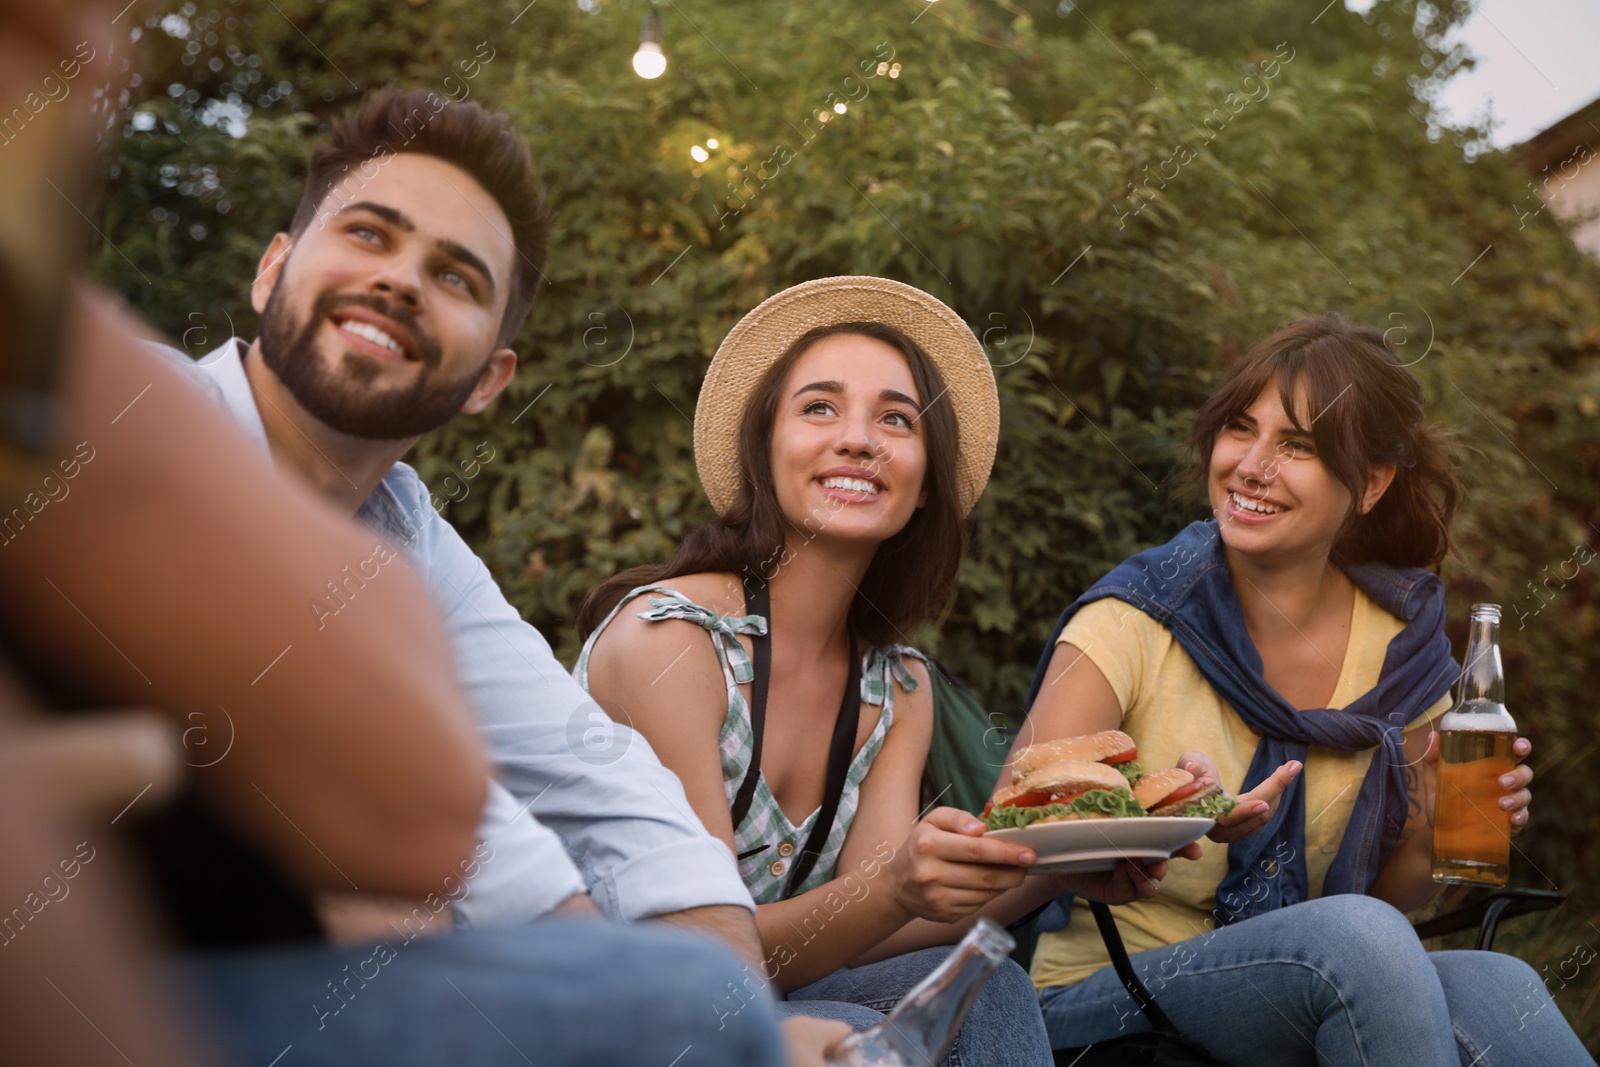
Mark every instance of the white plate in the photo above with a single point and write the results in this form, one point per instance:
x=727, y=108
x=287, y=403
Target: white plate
x=1097, y=844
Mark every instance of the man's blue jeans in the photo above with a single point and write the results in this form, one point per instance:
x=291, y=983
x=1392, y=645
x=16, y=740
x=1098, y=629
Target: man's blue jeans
x=1004, y=1027
x=556, y=993
x=1340, y=981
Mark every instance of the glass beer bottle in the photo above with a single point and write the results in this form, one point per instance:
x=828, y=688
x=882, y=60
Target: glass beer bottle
x=924, y=1024
x=1471, y=831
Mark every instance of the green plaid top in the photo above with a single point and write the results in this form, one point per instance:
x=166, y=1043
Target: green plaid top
x=766, y=841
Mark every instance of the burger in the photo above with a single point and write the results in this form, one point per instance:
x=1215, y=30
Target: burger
x=1097, y=776
x=1059, y=791
x=1112, y=748
x=1175, y=791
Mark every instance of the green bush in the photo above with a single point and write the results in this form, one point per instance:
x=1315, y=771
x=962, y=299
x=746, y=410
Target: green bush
x=1118, y=200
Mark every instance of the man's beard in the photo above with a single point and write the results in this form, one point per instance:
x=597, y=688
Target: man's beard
x=341, y=402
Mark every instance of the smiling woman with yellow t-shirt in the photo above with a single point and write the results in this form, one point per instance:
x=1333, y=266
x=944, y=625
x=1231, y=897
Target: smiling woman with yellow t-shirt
x=1297, y=641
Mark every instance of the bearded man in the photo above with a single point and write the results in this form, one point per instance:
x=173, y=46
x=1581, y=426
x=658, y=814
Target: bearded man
x=390, y=306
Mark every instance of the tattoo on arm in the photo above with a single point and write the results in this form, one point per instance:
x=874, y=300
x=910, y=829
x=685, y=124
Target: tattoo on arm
x=1419, y=815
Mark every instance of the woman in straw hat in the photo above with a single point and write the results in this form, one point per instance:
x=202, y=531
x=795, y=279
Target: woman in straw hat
x=845, y=428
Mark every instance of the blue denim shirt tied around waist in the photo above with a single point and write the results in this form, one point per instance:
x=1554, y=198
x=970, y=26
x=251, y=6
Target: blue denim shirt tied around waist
x=1184, y=585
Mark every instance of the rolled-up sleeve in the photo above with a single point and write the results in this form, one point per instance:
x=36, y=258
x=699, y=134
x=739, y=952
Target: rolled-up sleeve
x=622, y=816
x=523, y=869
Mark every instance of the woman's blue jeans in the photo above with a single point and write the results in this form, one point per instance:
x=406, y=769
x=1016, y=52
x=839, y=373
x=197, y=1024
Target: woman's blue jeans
x=1003, y=1028
x=1341, y=981
x=557, y=993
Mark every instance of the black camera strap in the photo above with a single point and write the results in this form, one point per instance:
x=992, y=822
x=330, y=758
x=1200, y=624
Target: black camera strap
x=841, y=748
x=1124, y=968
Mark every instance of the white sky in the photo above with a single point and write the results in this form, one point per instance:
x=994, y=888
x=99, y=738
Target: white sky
x=1538, y=61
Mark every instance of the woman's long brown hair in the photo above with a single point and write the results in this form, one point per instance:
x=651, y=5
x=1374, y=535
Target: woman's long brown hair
x=1365, y=410
x=913, y=573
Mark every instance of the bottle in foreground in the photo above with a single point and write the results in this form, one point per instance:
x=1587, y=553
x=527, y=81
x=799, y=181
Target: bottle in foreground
x=923, y=1026
x=1471, y=832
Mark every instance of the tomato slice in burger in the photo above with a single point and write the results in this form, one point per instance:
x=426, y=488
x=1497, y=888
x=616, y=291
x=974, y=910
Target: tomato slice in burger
x=1180, y=794
x=1123, y=757
x=1041, y=798
x=1028, y=800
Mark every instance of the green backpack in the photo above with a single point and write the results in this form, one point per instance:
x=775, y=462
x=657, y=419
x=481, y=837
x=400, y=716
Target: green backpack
x=968, y=749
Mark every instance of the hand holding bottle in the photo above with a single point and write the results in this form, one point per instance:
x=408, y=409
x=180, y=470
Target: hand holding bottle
x=1517, y=797
x=809, y=1041
x=1481, y=792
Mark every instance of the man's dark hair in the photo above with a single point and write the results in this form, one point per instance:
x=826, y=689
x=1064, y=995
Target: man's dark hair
x=480, y=142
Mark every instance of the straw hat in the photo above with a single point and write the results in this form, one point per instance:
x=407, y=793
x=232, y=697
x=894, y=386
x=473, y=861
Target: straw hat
x=766, y=333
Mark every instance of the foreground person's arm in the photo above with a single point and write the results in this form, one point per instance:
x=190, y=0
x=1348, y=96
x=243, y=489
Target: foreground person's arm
x=178, y=573
x=58, y=970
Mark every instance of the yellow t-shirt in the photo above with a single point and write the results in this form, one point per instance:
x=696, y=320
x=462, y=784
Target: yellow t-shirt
x=1169, y=708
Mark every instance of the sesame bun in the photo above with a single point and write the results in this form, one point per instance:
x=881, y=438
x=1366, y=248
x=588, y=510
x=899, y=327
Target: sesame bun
x=1064, y=776
x=1157, y=786
x=1090, y=748
x=1172, y=791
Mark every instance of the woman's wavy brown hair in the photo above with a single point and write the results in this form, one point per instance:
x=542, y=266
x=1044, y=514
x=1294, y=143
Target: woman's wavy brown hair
x=913, y=573
x=1365, y=410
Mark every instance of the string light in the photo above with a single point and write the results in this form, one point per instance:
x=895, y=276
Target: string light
x=650, y=62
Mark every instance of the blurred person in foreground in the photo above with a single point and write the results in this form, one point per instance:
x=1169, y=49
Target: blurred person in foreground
x=353, y=762
x=175, y=574
x=1302, y=629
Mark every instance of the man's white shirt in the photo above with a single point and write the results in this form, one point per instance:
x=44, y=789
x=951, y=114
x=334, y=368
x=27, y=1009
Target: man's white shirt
x=580, y=802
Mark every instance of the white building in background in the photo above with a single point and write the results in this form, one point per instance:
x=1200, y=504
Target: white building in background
x=1564, y=167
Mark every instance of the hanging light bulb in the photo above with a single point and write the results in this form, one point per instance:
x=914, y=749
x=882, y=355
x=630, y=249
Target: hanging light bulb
x=700, y=154
x=649, y=61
